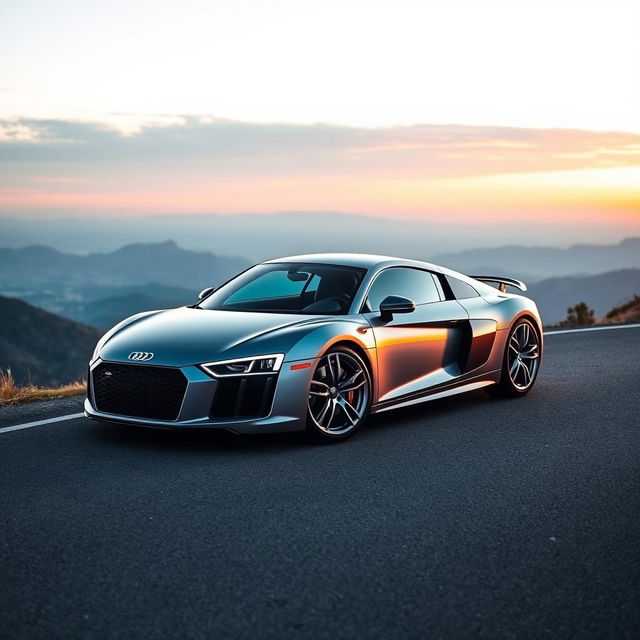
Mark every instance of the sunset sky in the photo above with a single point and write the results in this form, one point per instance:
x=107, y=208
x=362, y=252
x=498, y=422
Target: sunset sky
x=456, y=111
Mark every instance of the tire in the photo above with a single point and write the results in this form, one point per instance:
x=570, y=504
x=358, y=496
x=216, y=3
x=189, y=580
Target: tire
x=520, y=362
x=339, y=396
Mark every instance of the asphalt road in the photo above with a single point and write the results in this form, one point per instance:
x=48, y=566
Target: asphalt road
x=465, y=517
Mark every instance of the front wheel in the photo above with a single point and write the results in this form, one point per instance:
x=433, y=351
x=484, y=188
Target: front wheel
x=339, y=395
x=520, y=363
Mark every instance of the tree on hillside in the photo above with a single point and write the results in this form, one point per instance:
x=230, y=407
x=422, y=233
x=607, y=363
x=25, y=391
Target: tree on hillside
x=579, y=316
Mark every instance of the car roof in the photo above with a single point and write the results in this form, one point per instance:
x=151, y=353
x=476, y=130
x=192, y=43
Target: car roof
x=363, y=260
x=375, y=263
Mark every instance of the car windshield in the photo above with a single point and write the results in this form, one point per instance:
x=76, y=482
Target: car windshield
x=292, y=287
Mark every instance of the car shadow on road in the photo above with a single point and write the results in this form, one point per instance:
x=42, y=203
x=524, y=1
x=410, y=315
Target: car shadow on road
x=194, y=441
x=434, y=414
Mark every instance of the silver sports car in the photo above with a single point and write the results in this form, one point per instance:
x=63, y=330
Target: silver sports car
x=316, y=343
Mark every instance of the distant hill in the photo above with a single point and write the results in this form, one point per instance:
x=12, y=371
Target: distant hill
x=627, y=312
x=538, y=263
x=103, y=288
x=68, y=285
x=44, y=268
x=601, y=293
x=100, y=289
x=108, y=311
x=43, y=348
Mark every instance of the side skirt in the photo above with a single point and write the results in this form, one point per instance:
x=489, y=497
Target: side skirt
x=472, y=386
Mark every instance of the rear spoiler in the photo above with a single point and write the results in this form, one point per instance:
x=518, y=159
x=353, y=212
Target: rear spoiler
x=502, y=282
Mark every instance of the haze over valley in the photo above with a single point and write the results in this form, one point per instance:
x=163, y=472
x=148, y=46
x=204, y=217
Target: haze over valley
x=261, y=236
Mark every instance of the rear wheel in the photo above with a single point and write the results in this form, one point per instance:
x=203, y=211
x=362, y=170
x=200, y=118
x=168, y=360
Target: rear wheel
x=520, y=363
x=339, y=395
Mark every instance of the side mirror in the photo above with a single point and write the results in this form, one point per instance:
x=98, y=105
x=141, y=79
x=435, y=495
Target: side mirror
x=396, y=304
x=205, y=292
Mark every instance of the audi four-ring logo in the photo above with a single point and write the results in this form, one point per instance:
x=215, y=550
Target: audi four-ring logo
x=140, y=355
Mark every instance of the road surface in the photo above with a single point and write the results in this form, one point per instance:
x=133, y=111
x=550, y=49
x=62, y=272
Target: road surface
x=464, y=517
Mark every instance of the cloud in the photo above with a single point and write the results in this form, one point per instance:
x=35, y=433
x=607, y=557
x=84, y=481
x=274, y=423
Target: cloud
x=232, y=148
x=204, y=164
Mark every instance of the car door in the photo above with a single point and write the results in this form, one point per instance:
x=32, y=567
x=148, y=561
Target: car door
x=416, y=350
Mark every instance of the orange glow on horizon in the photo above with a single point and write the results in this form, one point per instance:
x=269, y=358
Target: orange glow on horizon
x=599, y=196
x=442, y=174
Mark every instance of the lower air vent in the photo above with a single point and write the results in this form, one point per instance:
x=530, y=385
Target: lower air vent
x=138, y=391
x=243, y=397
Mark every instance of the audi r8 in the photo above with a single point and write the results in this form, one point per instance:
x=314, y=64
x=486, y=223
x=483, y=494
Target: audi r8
x=317, y=343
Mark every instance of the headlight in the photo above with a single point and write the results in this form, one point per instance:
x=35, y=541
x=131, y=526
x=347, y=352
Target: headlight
x=245, y=366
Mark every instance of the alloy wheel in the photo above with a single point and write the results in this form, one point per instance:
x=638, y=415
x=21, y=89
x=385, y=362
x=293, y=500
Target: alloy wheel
x=524, y=356
x=339, y=393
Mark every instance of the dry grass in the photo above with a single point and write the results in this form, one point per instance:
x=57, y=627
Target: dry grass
x=627, y=312
x=10, y=392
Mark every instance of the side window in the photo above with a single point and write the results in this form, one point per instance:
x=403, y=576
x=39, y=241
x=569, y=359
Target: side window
x=414, y=284
x=461, y=289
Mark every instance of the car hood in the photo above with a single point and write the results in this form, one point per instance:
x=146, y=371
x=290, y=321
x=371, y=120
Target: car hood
x=186, y=336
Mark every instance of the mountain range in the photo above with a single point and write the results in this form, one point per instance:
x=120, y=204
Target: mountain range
x=102, y=288
x=261, y=236
x=42, y=348
x=537, y=263
x=42, y=267
x=601, y=292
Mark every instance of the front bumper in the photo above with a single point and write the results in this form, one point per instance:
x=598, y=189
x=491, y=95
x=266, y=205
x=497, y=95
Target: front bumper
x=288, y=411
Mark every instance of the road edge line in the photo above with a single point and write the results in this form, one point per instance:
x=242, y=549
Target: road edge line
x=612, y=326
x=37, y=423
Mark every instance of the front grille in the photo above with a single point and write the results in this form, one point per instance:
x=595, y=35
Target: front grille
x=243, y=397
x=138, y=391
